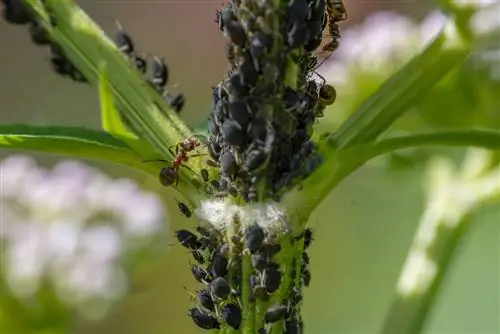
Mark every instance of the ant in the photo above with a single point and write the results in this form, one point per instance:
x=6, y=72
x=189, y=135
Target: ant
x=169, y=175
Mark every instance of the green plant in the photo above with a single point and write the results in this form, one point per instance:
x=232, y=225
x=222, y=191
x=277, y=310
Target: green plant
x=138, y=125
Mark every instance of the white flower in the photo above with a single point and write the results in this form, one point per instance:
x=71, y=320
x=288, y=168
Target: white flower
x=71, y=224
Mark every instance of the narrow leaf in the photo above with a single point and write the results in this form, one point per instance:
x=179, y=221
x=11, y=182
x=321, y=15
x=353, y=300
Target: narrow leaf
x=71, y=141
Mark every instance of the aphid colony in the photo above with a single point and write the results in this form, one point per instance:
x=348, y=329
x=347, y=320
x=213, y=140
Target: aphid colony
x=218, y=266
x=260, y=126
x=16, y=12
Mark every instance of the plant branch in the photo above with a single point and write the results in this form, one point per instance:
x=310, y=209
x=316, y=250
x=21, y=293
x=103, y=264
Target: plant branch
x=452, y=200
x=341, y=163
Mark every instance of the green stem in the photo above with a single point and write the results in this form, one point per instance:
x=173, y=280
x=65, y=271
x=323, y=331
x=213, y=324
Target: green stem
x=408, y=314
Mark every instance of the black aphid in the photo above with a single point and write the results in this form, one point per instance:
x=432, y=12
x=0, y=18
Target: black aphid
x=220, y=288
x=184, y=209
x=203, y=319
x=275, y=313
x=254, y=237
x=305, y=258
x=200, y=274
x=176, y=102
x=259, y=261
x=198, y=256
x=187, y=239
x=16, y=12
x=160, y=72
x=305, y=276
x=272, y=279
x=231, y=314
x=38, y=33
x=218, y=266
x=204, y=175
x=262, y=331
x=205, y=299
x=123, y=40
x=292, y=327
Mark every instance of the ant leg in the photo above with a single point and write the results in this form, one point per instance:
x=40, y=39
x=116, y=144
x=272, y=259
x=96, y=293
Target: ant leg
x=157, y=160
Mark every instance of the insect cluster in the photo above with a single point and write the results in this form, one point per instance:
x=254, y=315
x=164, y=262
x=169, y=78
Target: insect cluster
x=261, y=124
x=159, y=69
x=218, y=266
x=16, y=12
x=260, y=132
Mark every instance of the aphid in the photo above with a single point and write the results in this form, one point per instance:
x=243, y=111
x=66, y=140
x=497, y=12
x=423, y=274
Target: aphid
x=231, y=314
x=218, y=265
x=160, y=72
x=123, y=40
x=254, y=160
x=204, y=175
x=233, y=133
x=200, y=274
x=139, y=63
x=227, y=164
x=326, y=96
x=298, y=35
x=236, y=86
x=259, y=261
x=271, y=279
x=254, y=237
x=249, y=74
x=305, y=276
x=262, y=331
x=257, y=45
x=220, y=288
x=187, y=239
x=176, y=101
x=275, y=313
x=307, y=235
x=236, y=33
x=305, y=258
x=239, y=111
x=184, y=209
x=38, y=33
x=205, y=299
x=16, y=12
x=198, y=257
x=203, y=319
x=292, y=326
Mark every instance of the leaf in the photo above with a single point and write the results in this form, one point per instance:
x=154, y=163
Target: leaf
x=71, y=141
x=341, y=163
x=112, y=123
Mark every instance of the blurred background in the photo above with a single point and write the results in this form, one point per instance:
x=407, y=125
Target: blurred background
x=87, y=248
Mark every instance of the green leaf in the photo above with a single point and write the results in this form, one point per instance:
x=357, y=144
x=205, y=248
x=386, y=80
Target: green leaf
x=72, y=141
x=112, y=123
x=341, y=163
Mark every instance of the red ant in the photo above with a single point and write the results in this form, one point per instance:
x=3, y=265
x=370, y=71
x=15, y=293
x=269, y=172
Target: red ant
x=170, y=174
